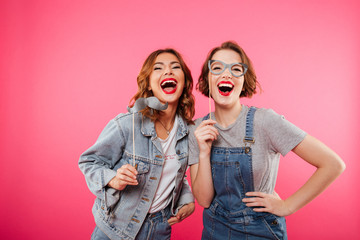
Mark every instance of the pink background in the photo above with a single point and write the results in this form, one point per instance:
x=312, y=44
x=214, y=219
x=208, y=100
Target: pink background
x=69, y=66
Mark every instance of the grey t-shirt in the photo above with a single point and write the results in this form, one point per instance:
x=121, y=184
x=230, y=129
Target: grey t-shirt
x=273, y=135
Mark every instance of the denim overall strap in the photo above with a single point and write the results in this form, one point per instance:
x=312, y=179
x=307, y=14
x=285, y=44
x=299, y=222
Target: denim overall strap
x=232, y=170
x=206, y=117
x=249, y=137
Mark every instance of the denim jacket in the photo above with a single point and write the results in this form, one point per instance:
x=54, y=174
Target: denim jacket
x=120, y=214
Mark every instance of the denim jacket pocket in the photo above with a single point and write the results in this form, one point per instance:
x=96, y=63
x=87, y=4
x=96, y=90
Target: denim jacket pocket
x=126, y=196
x=141, y=164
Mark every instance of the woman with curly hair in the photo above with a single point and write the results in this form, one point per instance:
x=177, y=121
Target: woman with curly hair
x=137, y=166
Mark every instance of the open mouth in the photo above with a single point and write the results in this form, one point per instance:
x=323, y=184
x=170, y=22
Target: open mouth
x=225, y=88
x=168, y=85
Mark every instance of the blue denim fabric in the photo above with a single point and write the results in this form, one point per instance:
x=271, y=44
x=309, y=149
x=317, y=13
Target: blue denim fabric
x=99, y=235
x=155, y=227
x=228, y=217
x=121, y=214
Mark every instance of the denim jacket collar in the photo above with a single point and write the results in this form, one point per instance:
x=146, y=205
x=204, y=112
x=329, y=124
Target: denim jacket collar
x=148, y=128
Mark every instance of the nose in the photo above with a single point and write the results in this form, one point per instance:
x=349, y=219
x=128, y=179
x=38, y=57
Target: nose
x=227, y=73
x=168, y=71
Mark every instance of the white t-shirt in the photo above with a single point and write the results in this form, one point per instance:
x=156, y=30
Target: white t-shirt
x=163, y=194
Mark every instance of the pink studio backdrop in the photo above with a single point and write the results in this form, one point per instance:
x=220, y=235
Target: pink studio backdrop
x=69, y=66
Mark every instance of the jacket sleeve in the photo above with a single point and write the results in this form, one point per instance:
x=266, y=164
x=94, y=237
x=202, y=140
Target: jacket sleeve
x=186, y=195
x=97, y=163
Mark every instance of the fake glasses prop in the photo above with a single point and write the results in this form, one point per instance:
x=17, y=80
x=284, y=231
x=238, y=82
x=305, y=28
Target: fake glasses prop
x=236, y=69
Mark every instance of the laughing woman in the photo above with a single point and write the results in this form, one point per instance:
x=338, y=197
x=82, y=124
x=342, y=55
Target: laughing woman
x=235, y=155
x=136, y=168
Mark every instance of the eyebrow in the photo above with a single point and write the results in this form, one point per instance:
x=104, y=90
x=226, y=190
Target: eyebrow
x=173, y=62
x=214, y=60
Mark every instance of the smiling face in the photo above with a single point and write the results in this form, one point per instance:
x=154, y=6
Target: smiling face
x=167, y=78
x=225, y=87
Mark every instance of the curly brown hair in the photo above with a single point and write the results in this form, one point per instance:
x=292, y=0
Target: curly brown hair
x=186, y=106
x=250, y=81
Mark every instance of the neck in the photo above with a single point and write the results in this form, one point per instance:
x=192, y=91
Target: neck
x=165, y=121
x=167, y=116
x=227, y=116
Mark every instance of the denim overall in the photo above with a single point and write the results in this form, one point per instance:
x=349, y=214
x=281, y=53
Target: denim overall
x=228, y=217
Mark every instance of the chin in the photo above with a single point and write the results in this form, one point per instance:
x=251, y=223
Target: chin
x=225, y=101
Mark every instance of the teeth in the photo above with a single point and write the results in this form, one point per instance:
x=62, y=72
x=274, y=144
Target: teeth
x=168, y=82
x=225, y=85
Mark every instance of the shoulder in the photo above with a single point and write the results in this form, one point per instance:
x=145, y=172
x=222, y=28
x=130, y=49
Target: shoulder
x=267, y=114
x=267, y=118
x=192, y=127
x=273, y=122
x=127, y=117
x=198, y=121
x=123, y=116
x=125, y=120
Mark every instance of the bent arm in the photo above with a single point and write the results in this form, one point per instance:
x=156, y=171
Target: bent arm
x=201, y=177
x=186, y=196
x=185, y=206
x=201, y=182
x=97, y=162
x=329, y=166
